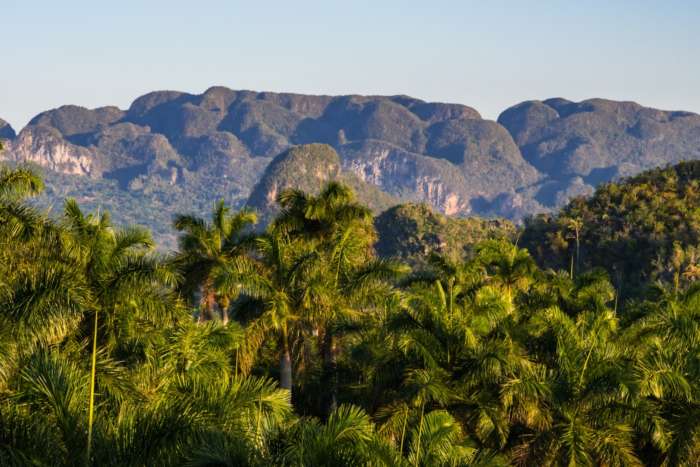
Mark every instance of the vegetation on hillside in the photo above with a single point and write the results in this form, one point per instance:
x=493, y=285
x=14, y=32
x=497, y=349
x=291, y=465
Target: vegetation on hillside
x=298, y=346
x=413, y=232
x=152, y=205
x=642, y=230
x=308, y=168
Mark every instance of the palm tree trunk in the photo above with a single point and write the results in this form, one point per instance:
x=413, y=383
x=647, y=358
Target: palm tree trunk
x=259, y=419
x=224, y=303
x=330, y=372
x=207, y=304
x=285, y=364
x=578, y=252
x=91, y=409
x=403, y=430
x=420, y=432
x=571, y=270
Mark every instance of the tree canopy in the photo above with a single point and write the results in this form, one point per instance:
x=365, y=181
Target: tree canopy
x=299, y=346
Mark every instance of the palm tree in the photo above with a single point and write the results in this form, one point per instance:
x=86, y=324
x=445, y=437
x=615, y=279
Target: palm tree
x=318, y=218
x=432, y=437
x=594, y=407
x=18, y=221
x=120, y=275
x=171, y=421
x=206, y=248
x=347, y=438
x=439, y=440
x=472, y=339
x=664, y=338
x=275, y=285
x=19, y=183
x=575, y=225
x=509, y=267
x=54, y=391
x=42, y=295
x=346, y=285
x=341, y=233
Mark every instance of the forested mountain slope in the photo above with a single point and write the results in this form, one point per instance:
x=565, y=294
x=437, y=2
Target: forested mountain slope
x=308, y=168
x=414, y=232
x=642, y=229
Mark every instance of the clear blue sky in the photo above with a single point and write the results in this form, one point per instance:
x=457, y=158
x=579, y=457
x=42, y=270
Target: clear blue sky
x=489, y=55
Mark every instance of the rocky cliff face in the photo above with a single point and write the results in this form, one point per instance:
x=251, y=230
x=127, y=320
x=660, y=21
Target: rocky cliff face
x=409, y=175
x=443, y=154
x=6, y=130
x=46, y=147
x=218, y=144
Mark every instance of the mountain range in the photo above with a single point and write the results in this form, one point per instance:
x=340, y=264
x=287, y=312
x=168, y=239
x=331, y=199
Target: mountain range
x=177, y=152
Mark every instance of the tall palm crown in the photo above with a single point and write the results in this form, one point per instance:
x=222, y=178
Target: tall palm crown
x=207, y=247
x=42, y=294
x=122, y=270
x=278, y=289
x=319, y=218
x=342, y=235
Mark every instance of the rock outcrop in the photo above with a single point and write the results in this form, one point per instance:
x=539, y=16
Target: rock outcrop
x=46, y=147
x=308, y=168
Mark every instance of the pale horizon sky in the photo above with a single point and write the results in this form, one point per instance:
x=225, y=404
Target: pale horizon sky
x=490, y=57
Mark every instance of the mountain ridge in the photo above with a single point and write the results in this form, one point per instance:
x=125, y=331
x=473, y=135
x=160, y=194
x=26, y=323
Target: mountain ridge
x=533, y=158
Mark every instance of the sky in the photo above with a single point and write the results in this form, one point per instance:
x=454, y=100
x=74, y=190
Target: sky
x=489, y=55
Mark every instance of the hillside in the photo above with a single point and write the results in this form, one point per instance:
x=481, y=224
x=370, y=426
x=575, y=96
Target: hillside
x=643, y=229
x=190, y=149
x=308, y=168
x=579, y=145
x=412, y=232
x=440, y=153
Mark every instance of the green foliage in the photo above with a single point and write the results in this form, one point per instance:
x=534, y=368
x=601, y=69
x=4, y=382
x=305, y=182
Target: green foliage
x=474, y=357
x=154, y=206
x=412, y=232
x=307, y=168
x=643, y=229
